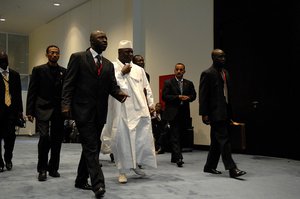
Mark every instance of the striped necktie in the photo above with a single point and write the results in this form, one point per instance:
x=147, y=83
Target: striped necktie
x=180, y=84
x=6, y=83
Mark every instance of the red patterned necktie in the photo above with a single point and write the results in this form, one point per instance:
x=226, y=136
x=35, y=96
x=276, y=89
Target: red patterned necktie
x=99, y=64
x=223, y=74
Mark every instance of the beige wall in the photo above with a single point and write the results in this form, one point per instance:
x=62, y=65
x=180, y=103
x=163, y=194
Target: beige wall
x=164, y=31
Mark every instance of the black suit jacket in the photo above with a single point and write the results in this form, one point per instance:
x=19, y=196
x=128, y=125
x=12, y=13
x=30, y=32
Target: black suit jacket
x=211, y=95
x=84, y=92
x=170, y=94
x=43, y=91
x=15, y=89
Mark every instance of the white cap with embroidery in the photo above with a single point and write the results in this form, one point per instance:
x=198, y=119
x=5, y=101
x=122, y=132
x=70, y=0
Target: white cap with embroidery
x=125, y=44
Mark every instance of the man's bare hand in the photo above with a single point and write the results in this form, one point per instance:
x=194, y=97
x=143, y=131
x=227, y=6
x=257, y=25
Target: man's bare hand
x=151, y=110
x=126, y=69
x=123, y=96
x=30, y=118
x=184, y=97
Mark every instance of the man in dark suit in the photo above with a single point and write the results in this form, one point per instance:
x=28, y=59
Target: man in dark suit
x=11, y=109
x=44, y=104
x=177, y=94
x=140, y=61
x=214, y=106
x=89, y=81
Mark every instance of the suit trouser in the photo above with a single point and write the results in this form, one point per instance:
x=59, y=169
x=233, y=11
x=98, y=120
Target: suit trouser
x=177, y=129
x=220, y=145
x=51, y=137
x=89, y=135
x=8, y=135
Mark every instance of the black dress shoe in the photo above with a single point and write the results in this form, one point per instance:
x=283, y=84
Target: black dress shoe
x=234, y=173
x=54, y=174
x=9, y=166
x=210, y=170
x=100, y=192
x=84, y=186
x=1, y=169
x=42, y=176
x=179, y=163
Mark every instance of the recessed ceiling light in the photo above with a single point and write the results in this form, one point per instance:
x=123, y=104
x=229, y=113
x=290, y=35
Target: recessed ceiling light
x=2, y=19
x=56, y=4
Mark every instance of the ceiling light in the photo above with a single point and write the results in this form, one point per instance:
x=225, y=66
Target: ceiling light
x=2, y=19
x=56, y=4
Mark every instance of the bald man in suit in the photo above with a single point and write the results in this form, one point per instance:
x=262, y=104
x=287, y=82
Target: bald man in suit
x=89, y=81
x=215, y=109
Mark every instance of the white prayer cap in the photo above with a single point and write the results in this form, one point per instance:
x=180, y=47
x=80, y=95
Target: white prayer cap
x=125, y=44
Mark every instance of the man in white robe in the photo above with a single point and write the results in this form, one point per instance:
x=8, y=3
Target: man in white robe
x=128, y=131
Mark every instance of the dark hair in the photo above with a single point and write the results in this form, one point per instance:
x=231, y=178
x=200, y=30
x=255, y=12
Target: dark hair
x=50, y=46
x=179, y=63
x=136, y=56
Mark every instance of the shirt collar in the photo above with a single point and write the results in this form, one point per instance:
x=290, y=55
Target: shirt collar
x=179, y=80
x=94, y=53
x=7, y=70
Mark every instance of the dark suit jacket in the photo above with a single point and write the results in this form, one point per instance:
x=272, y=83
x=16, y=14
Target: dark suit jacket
x=43, y=91
x=170, y=94
x=15, y=90
x=84, y=92
x=211, y=95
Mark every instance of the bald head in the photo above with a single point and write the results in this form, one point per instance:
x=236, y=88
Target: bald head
x=218, y=57
x=216, y=52
x=98, y=40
